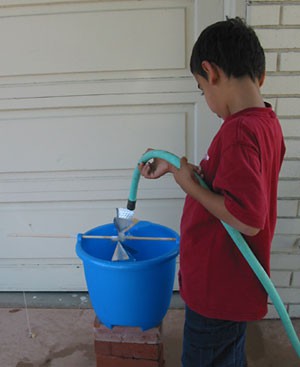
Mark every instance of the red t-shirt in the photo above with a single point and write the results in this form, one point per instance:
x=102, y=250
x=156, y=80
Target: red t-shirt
x=242, y=163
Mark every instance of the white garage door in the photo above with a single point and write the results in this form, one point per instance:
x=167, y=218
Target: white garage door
x=85, y=88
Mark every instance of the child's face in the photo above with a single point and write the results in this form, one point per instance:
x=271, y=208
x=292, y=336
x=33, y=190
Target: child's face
x=210, y=93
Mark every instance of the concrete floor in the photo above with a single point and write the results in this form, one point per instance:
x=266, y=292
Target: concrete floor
x=62, y=337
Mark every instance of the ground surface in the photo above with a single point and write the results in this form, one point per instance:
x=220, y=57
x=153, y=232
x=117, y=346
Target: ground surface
x=64, y=338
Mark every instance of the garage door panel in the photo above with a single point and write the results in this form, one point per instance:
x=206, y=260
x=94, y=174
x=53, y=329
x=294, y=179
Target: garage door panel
x=85, y=88
x=86, y=142
x=83, y=40
x=24, y=228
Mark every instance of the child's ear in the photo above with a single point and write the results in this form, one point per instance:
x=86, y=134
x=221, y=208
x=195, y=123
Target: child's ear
x=211, y=70
x=262, y=79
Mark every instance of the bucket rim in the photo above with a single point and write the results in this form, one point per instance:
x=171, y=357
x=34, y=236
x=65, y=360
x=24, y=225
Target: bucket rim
x=132, y=265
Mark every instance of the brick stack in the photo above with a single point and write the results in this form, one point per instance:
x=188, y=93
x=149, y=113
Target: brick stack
x=128, y=346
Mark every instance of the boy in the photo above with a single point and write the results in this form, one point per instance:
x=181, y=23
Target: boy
x=241, y=168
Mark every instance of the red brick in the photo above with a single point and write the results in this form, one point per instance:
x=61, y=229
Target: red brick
x=137, y=351
x=104, y=348
x=126, y=334
x=111, y=361
x=128, y=346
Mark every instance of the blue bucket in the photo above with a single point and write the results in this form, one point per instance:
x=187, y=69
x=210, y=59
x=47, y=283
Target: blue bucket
x=130, y=293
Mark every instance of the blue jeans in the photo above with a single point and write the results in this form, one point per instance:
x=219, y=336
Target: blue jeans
x=213, y=343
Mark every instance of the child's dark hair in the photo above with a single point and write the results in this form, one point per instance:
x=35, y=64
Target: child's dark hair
x=233, y=46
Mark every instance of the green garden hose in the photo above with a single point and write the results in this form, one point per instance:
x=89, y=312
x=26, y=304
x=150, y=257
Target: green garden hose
x=236, y=237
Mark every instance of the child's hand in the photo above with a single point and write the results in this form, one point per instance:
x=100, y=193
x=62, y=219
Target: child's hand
x=185, y=176
x=154, y=168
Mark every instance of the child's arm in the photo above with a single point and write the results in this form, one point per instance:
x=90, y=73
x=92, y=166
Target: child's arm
x=213, y=202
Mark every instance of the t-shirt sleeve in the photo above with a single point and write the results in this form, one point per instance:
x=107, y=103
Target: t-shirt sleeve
x=239, y=178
